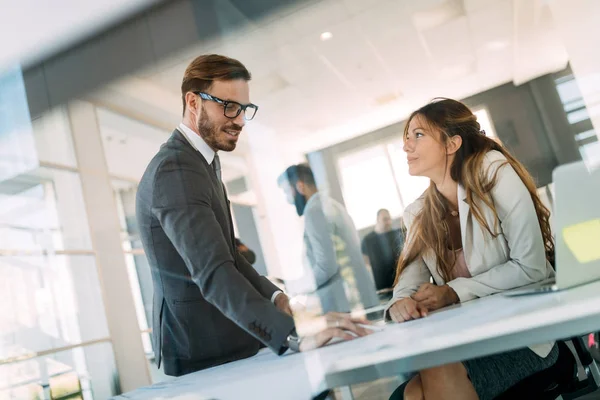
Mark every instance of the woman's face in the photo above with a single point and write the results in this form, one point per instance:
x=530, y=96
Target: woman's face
x=424, y=149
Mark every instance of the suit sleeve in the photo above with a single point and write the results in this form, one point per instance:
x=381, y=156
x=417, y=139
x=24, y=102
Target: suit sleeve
x=260, y=283
x=182, y=205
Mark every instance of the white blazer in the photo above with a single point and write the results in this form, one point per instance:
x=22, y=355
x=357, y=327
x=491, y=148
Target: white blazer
x=516, y=257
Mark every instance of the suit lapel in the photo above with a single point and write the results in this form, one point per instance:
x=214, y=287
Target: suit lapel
x=179, y=140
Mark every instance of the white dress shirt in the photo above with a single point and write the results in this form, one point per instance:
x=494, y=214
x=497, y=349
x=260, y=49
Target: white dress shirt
x=197, y=143
x=209, y=155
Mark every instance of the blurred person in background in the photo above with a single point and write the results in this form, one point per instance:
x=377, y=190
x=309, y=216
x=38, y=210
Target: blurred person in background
x=210, y=306
x=336, y=270
x=381, y=249
x=479, y=229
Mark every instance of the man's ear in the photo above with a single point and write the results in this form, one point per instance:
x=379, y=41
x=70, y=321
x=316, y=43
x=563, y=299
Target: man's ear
x=453, y=144
x=301, y=188
x=192, y=102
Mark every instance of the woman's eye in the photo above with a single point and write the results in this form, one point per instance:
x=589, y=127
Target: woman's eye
x=418, y=134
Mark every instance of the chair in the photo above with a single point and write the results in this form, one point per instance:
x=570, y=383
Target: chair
x=561, y=379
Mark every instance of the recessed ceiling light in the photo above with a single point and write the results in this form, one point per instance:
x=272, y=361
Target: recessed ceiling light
x=326, y=36
x=496, y=45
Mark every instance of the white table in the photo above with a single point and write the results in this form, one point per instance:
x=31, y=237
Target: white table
x=477, y=328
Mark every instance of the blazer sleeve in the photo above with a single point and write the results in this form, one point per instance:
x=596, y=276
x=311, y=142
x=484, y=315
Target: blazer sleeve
x=520, y=227
x=182, y=205
x=416, y=273
x=260, y=283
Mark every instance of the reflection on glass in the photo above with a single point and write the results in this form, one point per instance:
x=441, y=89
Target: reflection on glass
x=17, y=147
x=48, y=302
x=335, y=277
x=83, y=372
x=138, y=269
x=42, y=210
x=53, y=140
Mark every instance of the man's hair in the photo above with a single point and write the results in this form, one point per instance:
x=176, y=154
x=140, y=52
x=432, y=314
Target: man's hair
x=298, y=172
x=206, y=69
x=381, y=210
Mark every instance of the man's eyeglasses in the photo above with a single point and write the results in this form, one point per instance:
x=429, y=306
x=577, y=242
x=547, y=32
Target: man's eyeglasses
x=231, y=109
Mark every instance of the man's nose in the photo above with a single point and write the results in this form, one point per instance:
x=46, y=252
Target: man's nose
x=240, y=120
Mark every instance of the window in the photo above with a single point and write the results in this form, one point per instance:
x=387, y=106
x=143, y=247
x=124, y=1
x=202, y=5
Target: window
x=368, y=184
x=578, y=116
x=483, y=117
x=53, y=331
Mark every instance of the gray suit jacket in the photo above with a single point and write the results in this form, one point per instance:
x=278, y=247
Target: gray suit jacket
x=210, y=306
x=334, y=257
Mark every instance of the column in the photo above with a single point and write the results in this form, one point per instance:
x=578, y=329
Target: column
x=280, y=228
x=102, y=214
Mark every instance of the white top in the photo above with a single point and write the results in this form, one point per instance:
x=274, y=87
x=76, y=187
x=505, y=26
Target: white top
x=197, y=143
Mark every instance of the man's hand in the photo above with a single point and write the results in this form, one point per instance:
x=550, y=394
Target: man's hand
x=433, y=297
x=283, y=303
x=407, y=309
x=337, y=325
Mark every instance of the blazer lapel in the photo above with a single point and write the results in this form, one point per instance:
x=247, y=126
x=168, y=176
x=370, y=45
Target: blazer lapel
x=466, y=226
x=179, y=140
x=474, y=244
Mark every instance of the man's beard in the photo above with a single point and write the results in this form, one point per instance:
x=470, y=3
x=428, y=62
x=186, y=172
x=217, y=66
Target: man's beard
x=300, y=203
x=212, y=135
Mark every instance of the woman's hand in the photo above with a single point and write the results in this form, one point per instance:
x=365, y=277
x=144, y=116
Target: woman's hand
x=407, y=309
x=433, y=297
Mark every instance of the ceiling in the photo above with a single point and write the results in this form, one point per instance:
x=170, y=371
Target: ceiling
x=384, y=59
x=45, y=27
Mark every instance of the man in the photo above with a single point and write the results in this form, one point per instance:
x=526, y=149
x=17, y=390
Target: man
x=210, y=306
x=381, y=249
x=341, y=279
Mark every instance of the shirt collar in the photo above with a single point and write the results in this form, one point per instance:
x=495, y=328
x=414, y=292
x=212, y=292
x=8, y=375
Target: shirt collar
x=197, y=143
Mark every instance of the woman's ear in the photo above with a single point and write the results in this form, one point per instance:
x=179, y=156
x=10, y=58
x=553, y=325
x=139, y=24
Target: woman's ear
x=453, y=144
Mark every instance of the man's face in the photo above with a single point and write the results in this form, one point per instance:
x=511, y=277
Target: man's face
x=385, y=220
x=293, y=196
x=218, y=131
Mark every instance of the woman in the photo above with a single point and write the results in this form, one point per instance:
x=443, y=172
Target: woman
x=480, y=228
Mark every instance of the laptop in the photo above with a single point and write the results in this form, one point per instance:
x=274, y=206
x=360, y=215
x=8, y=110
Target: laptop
x=577, y=229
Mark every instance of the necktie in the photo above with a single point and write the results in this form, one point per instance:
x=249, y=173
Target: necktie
x=216, y=164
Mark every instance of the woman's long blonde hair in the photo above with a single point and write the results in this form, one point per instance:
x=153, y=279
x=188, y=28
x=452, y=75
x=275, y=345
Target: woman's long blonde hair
x=429, y=229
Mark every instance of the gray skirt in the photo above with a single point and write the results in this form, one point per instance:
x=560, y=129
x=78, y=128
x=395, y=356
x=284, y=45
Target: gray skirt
x=495, y=374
